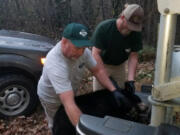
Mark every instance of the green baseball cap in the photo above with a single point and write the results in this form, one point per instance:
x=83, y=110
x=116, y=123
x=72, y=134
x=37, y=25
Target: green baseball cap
x=77, y=34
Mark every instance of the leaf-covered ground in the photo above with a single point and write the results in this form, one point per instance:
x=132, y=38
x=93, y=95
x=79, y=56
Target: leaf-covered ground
x=32, y=125
x=36, y=123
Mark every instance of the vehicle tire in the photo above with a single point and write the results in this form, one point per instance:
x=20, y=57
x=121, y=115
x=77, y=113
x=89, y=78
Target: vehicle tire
x=17, y=95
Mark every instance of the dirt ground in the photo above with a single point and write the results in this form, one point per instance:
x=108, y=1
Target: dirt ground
x=36, y=123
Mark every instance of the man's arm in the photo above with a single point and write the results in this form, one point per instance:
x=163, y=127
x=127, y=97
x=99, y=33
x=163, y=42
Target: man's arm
x=96, y=54
x=100, y=72
x=132, y=64
x=72, y=110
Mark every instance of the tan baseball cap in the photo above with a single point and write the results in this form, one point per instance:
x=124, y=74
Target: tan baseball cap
x=134, y=15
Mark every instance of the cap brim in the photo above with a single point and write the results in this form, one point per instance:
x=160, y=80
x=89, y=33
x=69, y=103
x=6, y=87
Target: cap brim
x=134, y=27
x=82, y=43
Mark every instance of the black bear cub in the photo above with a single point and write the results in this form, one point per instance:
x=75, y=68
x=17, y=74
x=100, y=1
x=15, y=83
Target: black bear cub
x=99, y=103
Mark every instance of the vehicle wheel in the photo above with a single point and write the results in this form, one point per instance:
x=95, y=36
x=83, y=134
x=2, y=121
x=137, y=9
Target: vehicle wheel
x=17, y=95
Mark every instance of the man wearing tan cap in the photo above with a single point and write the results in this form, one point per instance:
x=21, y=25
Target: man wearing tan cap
x=116, y=41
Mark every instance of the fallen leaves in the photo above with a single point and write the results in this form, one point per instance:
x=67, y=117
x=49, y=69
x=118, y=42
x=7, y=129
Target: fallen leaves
x=33, y=125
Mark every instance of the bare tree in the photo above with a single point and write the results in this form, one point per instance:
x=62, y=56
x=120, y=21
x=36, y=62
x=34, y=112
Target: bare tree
x=48, y=17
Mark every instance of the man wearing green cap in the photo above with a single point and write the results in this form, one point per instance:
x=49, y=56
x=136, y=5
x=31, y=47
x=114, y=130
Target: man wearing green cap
x=63, y=70
x=116, y=41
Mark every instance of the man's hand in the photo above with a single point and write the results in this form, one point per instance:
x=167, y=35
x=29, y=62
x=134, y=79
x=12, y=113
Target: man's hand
x=129, y=87
x=121, y=100
x=72, y=110
x=129, y=92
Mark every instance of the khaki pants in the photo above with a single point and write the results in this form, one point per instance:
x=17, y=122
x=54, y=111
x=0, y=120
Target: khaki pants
x=118, y=73
x=50, y=111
